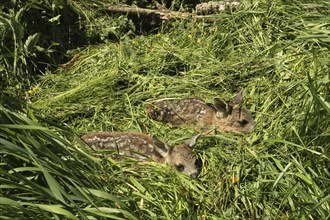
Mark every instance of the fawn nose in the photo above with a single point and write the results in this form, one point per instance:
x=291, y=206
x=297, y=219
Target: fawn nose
x=194, y=175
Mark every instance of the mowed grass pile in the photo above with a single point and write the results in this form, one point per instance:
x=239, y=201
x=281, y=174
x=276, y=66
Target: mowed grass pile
x=277, y=51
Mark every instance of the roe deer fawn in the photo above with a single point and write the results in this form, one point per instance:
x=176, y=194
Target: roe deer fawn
x=141, y=146
x=221, y=116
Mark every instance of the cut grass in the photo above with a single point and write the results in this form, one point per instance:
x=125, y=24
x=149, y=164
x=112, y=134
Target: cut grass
x=278, y=52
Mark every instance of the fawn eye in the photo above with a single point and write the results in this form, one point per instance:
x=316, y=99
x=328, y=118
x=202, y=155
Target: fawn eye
x=243, y=122
x=198, y=162
x=179, y=167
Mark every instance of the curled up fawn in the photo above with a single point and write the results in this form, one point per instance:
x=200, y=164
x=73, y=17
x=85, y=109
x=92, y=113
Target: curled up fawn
x=141, y=146
x=221, y=116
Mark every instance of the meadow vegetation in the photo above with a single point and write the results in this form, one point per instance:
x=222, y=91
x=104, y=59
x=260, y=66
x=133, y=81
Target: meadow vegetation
x=278, y=51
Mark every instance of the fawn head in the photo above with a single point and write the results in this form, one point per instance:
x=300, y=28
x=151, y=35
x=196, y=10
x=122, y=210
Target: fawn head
x=236, y=118
x=181, y=157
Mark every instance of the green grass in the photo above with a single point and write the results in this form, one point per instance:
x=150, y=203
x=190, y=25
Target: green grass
x=277, y=51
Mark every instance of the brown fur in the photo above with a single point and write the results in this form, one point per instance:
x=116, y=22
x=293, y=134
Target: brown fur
x=143, y=147
x=220, y=116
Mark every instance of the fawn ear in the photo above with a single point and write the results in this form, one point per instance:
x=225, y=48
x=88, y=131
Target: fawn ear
x=239, y=98
x=191, y=143
x=221, y=105
x=161, y=147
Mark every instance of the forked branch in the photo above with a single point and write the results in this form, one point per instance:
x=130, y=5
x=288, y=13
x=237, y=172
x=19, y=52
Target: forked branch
x=166, y=14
